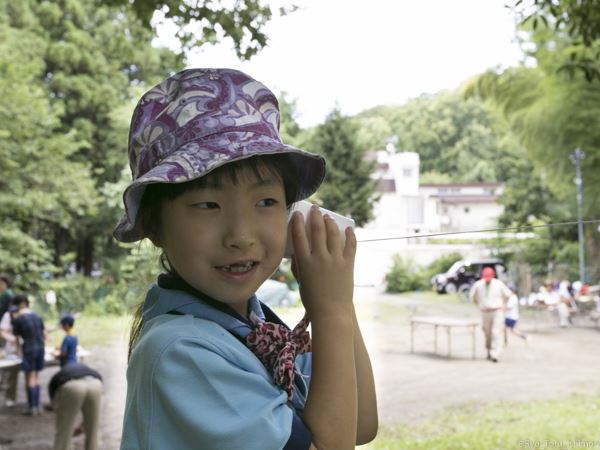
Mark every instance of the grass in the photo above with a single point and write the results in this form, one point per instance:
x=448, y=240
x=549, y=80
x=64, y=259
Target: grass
x=565, y=423
x=93, y=331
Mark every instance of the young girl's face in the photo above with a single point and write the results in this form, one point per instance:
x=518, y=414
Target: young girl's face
x=226, y=240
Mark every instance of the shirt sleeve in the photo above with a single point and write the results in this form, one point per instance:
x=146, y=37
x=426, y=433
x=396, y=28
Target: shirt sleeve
x=203, y=396
x=17, y=327
x=65, y=346
x=5, y=322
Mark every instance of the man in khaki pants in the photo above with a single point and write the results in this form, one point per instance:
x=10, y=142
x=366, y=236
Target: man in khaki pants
x=76, y=388
x=491, y=296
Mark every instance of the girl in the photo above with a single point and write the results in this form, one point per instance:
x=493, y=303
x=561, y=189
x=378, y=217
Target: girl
x=210, y=366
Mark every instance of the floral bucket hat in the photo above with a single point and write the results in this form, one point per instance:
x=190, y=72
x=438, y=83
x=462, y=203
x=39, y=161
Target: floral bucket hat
x=196, y=121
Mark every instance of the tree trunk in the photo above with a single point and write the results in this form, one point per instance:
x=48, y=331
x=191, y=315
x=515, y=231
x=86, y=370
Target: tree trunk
x=60, y=243
x=594, y=271
x=88, y=256
x=85, y=256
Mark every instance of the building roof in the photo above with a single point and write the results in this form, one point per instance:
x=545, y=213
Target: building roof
x=454, y=199
x=459, y=185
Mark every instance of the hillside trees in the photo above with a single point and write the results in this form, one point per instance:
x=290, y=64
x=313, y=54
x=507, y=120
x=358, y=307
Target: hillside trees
x=78, y=64
x=42, y=189
x=456, y=138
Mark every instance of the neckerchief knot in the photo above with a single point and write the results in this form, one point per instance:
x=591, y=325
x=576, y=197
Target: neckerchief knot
x=277, y=346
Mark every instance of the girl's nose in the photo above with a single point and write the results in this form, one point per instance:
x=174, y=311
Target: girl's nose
x=239, y=236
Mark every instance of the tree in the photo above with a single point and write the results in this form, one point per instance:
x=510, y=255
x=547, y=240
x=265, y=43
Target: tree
x=90, y=62
x=206, y=21
x=453, y=136
x=551, y=115
x=289, y=130
x=575, y=21
x=41, y=188
x=348, y=188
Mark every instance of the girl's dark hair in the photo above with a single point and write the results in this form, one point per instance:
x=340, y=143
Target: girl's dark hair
x=155, y=194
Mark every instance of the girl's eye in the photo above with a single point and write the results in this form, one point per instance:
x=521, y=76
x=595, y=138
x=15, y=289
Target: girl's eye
x=267, y=202
x=206, y=205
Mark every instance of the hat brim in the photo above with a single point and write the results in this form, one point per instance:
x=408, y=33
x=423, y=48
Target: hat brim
x=196, y=159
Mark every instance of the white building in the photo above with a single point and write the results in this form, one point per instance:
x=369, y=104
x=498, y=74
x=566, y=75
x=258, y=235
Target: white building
x=408, y=207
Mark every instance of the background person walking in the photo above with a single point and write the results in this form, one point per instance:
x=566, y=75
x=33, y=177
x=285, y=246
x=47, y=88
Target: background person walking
x=491, y=296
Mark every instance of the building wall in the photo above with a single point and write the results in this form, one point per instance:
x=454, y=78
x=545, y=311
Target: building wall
x=467, y=216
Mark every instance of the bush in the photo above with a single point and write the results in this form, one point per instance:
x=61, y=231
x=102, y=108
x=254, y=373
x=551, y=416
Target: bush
x=441, y=265
x=404, y=276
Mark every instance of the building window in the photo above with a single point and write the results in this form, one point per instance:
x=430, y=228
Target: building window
x=406, y=172
x=467, y=209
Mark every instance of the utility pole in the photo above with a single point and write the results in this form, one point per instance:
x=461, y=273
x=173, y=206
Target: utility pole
x=576, y=158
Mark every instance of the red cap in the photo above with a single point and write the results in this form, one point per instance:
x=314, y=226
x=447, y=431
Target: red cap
x=487, y=273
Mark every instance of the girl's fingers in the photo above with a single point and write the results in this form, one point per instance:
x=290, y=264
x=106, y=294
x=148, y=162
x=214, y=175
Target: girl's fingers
x=350, y=247
x=334, y=243
x=299, y=239
x=295, y=268
x=318, y=234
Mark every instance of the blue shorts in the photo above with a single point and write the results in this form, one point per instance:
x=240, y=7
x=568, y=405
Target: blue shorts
x=510, y=323
x=33, y=361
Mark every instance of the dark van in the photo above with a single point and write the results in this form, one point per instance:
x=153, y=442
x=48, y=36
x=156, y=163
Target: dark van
x=464, y=273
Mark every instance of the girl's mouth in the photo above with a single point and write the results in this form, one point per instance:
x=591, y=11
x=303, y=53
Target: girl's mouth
x=238, y=268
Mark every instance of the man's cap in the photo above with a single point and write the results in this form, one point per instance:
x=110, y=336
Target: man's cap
x=488, y=273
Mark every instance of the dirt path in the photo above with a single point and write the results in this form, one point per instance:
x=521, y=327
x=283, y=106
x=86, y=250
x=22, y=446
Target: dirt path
x=19, y=432
x=410, y=386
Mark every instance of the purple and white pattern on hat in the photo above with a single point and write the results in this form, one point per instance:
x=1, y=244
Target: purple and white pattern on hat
x=198, y=120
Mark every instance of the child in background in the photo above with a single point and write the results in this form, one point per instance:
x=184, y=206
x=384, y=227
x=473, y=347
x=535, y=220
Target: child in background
x=9, y=378
x=29, y=328
x=511, y=315
x=68, y=348
x=210, y=365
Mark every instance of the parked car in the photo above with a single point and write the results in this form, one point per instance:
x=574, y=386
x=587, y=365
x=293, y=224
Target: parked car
x=464, y=273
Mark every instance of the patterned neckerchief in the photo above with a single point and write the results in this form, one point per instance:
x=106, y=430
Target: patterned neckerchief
x=268, y=337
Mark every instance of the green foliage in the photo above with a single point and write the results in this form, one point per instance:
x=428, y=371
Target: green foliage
x=575, y=21
x=404, y=276
x=116, y=292
x=550, y=116
x=456, y=138
x=441, y=265
x=69, y=70
x=206, y=22
x=348, y=187
x=289, y=129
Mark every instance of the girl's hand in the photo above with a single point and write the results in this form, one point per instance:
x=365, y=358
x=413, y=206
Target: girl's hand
x=324, y=269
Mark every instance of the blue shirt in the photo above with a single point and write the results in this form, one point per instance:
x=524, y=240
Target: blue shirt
x=192, y=383
x=69, y=349
x=30, y=327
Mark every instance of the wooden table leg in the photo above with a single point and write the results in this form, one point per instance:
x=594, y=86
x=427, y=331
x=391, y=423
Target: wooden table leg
x=449, y=341
x=412, y=337
x=473, y=330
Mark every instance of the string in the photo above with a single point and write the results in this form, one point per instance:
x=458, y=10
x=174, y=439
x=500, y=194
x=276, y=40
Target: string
x=488, y=230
